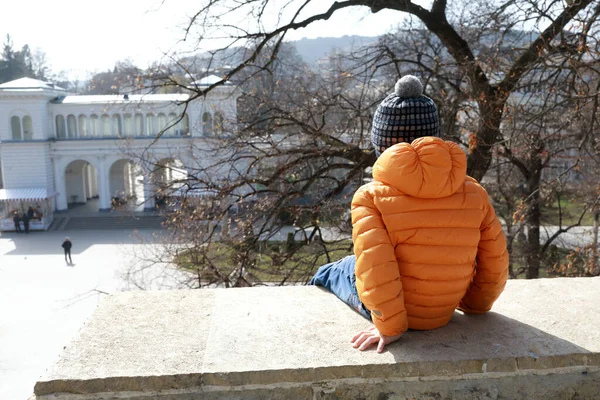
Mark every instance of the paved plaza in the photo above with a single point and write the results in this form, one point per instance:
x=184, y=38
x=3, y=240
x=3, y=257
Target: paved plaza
x=44, y=302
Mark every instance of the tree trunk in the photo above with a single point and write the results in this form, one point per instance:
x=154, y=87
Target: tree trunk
x=533, y=217
x=533, y=238
x=491, y=107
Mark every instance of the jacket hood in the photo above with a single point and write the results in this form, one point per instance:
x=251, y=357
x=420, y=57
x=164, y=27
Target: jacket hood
x=427, y=168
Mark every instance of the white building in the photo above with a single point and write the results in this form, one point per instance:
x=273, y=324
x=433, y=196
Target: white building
x=58, y=149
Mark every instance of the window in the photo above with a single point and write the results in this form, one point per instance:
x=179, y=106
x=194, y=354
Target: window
x=84, y=130
x=117, y=128
x=139, y=124
x=127, y=125
x=105, y=125
x=15, y=126
x=94, y=125
x=72, y=126
x=151, y=125
x=184, y=129
x=173, y=124
x=162, y=123
x=218, y=123
x=207, y=127
x=180, y=127
x=61, y=128
x=27, y=128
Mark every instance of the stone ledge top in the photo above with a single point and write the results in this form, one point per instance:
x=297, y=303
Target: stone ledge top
x=166, y=340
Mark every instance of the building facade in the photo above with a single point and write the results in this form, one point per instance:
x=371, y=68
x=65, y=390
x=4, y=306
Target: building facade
x=72, y=149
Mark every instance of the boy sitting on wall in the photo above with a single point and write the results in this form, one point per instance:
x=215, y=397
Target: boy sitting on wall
x=426, y=238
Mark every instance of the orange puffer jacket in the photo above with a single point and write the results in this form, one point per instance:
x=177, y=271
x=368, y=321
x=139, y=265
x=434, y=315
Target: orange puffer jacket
x=426, y=239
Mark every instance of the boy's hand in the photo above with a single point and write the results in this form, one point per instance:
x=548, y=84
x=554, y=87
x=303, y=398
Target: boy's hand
x=365, y=339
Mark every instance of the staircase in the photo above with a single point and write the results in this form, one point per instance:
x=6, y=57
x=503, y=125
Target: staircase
x=58, y=224
x=150, y=222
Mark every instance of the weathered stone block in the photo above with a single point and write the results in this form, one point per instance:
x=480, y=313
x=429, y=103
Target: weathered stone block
x=541, y=340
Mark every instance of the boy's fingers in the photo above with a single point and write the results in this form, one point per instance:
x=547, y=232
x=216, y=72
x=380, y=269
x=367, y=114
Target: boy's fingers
x=361, y=339
x=356, y=340
x=367, y=343
x=364, y=333
x=380, y=345
x=368, y=337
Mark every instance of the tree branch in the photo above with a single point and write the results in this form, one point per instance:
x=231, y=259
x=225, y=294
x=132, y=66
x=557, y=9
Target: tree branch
x=534, y=52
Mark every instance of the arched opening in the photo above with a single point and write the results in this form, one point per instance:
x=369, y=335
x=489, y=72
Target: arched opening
x=61, y=127
x=84, y=130
x=117, y=128
x=94, y=125
x=180, y=125
x=72, y=127
x=15, y=126
x=151, y=125
x=168, y=176
x=27, y=128
x=139, y=124
x=105, y=125
x=128, y=125
x=184, y=126
x=172, y=124
x=207, y=126
x=162, y=124
x=126, y=185
x=219, y=121
x=81, y=181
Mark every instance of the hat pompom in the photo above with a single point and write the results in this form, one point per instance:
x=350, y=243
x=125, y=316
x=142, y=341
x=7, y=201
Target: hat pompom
x=409, y=86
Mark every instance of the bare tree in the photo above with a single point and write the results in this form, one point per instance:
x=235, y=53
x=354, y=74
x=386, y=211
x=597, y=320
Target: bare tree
x=538, y=133
x=301, y=144
x=453, y=26
x=285, y=170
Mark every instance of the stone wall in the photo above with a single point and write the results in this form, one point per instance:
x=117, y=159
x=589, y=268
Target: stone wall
x=541, y=340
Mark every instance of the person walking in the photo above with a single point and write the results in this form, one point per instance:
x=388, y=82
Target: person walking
x=25, y=219
x=67, y=247
x=17, y=222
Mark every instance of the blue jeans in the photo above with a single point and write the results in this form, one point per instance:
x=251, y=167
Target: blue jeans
x=338, y=277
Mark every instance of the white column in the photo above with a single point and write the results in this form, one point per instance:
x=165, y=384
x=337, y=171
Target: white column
x=149, y=204
x=94, y=182
x=81, y=177
x=130, y=188
x=103, y=184
x=60, y=186
x=125, y=179
x=88, y=182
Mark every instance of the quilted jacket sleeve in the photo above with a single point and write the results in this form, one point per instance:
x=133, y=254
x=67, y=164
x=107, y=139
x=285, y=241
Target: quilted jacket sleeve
x=377, y=275
x=491, y=270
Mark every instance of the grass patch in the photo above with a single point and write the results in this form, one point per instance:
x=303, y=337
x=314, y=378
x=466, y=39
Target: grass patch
x=571, y=210
x=269, y=262
x=272, y=263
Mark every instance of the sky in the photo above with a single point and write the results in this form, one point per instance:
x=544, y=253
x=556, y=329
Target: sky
x=82, y=37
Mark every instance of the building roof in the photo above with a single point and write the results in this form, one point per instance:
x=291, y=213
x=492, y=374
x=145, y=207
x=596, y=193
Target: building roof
x=26, y=194
x=209, y=80
x=120, y=99
x=29, y=84
x=187, y=192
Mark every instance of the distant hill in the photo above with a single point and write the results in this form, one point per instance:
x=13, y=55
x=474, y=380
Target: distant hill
x=312, y=50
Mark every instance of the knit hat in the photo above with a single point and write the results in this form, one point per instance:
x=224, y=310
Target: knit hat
x=403, y=116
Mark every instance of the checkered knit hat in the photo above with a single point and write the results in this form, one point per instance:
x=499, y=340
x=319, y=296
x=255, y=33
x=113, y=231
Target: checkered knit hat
x=404, y=116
